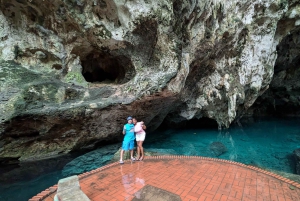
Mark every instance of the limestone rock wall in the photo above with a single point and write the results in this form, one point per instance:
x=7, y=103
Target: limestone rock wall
x=72, y=70
x=231, y=60
x=283, y=96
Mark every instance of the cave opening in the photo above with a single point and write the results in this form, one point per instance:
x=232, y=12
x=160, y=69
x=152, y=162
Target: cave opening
x=202, y=123
x=283, y=96
x=107, y=68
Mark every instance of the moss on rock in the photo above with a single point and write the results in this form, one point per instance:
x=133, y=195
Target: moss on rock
x=76, y=78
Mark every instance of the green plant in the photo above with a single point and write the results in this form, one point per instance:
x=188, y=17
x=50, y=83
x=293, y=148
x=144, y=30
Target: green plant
x=74, y=76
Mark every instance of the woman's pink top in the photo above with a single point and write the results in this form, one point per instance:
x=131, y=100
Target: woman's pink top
x=138, y=128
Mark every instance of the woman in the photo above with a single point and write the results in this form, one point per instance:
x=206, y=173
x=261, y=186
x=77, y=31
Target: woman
x=139, y=129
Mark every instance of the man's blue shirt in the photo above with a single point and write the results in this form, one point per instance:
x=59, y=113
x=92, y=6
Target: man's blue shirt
x=129, y=132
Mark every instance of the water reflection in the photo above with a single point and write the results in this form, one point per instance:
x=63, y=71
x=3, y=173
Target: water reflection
x=30, y=178
x=133, y=179
x=31, y=170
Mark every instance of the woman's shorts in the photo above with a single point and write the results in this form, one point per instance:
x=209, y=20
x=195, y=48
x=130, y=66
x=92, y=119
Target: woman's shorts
x=140, y=137
x=128, y=145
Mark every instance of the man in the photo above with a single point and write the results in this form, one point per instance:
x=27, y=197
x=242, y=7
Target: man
x=128, y=142
x=139, y=128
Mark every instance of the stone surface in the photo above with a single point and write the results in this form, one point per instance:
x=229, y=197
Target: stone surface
x=69, y=190
x=152, y=193
x=81, y=67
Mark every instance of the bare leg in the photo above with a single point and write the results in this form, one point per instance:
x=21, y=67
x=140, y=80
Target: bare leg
x=138, y=149
x=142, y=150
x=121, y=155
x=131, y=153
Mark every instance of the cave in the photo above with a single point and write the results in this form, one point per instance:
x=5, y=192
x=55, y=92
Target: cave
x=202, y=123
x=283, y=96
x=103, y=67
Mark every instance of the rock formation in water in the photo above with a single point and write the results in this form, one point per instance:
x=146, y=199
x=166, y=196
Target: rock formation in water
x=296, y=154
x=217, y=148
x=73, y=70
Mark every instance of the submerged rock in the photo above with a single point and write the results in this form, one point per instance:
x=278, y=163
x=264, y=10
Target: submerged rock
x=147, y=152
x=296, y=153
x=280, y=155
x=90, y=161
x=23, y=172
x=218, y=148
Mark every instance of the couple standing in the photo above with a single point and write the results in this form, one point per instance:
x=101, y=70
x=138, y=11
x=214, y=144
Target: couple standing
x=129, y=130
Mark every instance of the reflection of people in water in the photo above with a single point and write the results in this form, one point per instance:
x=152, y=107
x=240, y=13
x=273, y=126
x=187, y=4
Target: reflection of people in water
x=130, y=178
x=139, y=176
x=127, y=179
x=139, y=182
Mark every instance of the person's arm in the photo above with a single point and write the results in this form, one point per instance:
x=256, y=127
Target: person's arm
x=124, y=130
x=143, y=126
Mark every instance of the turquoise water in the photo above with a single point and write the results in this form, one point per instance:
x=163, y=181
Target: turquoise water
x=267, y=143
x=24, y=190
x=29, y=179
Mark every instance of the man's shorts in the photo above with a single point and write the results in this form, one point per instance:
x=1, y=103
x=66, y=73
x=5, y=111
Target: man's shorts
x=128, y=145
x=140, y=137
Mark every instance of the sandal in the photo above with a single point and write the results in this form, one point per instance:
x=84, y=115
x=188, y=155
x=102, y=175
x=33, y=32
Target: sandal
x=133, y=159
x=121, y=162
x=141, y=158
